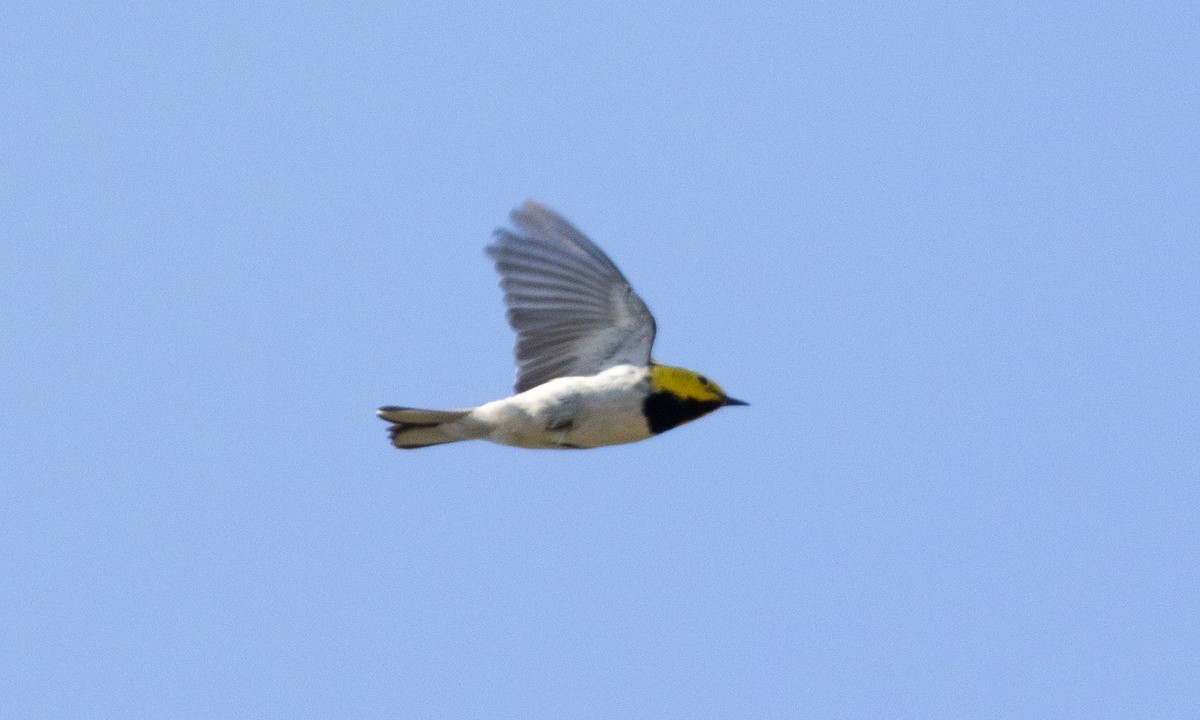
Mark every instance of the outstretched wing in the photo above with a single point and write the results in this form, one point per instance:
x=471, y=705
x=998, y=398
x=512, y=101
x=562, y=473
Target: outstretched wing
x=573, y=310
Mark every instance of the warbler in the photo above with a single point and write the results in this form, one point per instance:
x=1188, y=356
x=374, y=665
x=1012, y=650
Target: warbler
x=585, y=376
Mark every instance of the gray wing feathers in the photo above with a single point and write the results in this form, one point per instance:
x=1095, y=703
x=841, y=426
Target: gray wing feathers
x=573, y=310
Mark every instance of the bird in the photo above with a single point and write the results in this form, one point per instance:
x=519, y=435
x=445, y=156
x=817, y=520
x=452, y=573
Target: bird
x=585, y=374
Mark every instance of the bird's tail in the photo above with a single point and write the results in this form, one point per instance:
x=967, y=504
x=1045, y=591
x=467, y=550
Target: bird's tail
x=412, y=428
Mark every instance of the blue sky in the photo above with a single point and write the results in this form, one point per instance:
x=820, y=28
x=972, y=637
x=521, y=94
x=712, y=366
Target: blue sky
x=947, y=251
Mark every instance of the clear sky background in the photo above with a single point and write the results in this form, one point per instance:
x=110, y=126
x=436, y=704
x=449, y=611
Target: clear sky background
x=949, y=252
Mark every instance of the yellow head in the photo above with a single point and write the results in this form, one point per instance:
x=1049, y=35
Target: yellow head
x=678, y=395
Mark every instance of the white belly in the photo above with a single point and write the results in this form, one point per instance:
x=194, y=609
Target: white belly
x=604, y=409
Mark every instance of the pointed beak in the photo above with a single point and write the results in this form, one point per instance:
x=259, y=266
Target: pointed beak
x=735, y=401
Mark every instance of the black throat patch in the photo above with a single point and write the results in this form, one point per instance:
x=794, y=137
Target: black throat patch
x=664, y=410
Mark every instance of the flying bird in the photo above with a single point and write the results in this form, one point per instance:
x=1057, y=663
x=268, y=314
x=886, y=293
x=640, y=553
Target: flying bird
x=585, y=376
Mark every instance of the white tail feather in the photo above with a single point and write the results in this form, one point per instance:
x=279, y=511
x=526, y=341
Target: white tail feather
x=413, y=428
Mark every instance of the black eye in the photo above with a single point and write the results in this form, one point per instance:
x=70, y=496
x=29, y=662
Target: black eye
x=703, y=380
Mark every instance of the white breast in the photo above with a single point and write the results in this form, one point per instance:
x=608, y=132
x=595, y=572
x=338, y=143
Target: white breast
x=603, y=409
